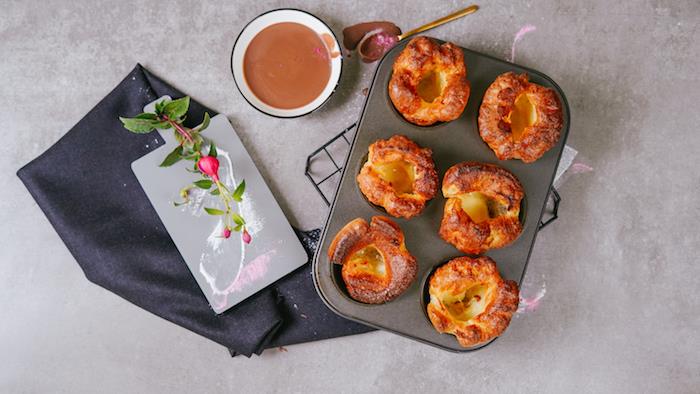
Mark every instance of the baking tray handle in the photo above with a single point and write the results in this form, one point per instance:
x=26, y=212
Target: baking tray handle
x=553, y=215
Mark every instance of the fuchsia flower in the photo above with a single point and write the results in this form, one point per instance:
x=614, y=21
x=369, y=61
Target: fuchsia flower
x=171, y=113
x=246, y=236
x=209, y=166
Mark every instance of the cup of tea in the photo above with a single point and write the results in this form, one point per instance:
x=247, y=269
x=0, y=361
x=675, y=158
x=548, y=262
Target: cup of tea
x=286, y=63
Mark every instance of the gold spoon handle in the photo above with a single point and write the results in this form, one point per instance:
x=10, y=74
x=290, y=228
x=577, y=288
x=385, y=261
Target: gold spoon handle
x=441, y=21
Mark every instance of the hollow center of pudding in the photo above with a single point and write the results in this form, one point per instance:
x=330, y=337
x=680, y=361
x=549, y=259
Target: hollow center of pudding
x=480, y=207
x=399, y=174
x=368, y=259
x=430, y=86
x=469, y=304
x=523, y=115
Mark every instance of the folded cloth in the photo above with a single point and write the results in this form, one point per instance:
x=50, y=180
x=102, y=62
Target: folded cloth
x=85, y=186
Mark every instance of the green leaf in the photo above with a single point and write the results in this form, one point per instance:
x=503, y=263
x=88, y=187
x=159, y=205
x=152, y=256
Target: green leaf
x=138, y=125
x=215, y=192
x=238, y=227
x=172, y=157
x=205, y=123
x=214, y=211
x=212, y=149
x=159, y=106
x=238, y=193
x=203, y=184
x=161, y=125
x=238, y=219
x=146, y=115
x=177, y=108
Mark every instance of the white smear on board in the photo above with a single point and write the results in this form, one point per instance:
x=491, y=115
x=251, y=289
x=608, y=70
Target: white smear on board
x=216, y=245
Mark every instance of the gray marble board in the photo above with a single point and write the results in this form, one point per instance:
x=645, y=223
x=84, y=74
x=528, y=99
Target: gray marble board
x=227, y=270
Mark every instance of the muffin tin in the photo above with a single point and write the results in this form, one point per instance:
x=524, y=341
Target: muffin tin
x=451, y=142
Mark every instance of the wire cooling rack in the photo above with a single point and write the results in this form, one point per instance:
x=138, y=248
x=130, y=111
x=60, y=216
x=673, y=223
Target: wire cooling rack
x=335, y=151
x=324, y=167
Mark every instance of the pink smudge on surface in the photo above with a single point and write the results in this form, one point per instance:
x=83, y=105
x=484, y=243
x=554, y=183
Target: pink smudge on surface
x=529, y=304
x=580, y=168
x=518, y=36
x=250, y=273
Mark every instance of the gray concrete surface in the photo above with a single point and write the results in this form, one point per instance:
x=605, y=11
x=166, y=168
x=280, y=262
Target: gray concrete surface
x=620, y=313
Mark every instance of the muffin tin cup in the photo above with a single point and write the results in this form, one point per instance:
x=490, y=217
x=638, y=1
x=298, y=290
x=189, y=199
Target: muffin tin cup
x=452, y=143
x=425, y=296
x=378, y=208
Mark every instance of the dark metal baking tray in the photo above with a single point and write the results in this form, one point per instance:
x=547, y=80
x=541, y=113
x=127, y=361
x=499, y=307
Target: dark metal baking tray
x=451, y=142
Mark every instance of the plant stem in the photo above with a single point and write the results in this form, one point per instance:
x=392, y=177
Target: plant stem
x=179, y=128
x=224, y=193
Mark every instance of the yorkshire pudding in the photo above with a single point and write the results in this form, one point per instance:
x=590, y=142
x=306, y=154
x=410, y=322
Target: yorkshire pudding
x=519, y=119
x=376, y=265
x=482, y=209
x=399, y=176
x=429, y=82
x=470, y=300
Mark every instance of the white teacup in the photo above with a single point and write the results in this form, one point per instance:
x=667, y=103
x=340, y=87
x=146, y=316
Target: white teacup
x=258, y=24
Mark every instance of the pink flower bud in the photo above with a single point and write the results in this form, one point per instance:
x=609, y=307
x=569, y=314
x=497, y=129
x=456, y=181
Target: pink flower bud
x=227, y=232
x=246, y=236
x=209, y=166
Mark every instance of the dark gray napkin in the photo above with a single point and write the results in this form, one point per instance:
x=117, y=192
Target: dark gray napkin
x=85, y=186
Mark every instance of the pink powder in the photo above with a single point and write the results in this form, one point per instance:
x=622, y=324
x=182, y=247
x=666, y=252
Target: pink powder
x=580, y=168
x=529, y=304
x=519, y=35
x=250, y=273
x=253, y=271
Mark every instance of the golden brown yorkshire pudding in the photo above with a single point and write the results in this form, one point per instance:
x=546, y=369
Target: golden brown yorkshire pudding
x=482, y=209
x=519, y=119
x=376, y=265
x=399, y=175
x=429, y=82
x=470, y=300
